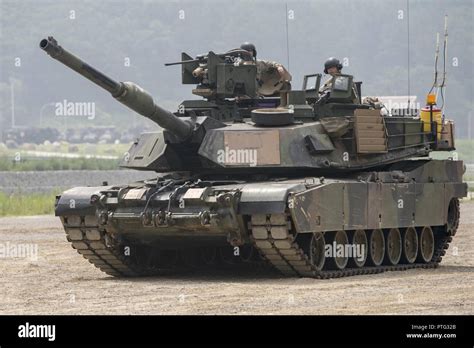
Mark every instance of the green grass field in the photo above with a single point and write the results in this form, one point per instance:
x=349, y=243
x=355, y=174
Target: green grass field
x=40, y=164
x=26, y=204
x=29, y=158
x=81, y=149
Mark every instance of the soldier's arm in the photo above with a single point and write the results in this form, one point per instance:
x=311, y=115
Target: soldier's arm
x=285, y=74
x=271, y=65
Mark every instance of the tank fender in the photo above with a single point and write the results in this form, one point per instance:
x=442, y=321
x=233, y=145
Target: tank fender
x=258, y=198
x=77, y=201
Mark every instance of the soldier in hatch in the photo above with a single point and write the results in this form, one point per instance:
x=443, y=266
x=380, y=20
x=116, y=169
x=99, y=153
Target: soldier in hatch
x=271, y=76
x=333, y=67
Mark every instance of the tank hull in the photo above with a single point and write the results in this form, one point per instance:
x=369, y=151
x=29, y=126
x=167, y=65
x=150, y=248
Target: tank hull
x=399, y=218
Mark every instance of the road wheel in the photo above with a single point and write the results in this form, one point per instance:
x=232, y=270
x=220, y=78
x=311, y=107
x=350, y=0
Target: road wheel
x=426, y=245
x=317, y=250
x=376, y=247
x=410, y=245
x=393, y=247
x=340, y=239
x=360, y=246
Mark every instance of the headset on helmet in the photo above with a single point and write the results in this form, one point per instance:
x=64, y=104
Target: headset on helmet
x=249, y=47
x=332, y=62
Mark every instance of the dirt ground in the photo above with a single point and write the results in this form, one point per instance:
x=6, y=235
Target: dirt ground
x=60, y=281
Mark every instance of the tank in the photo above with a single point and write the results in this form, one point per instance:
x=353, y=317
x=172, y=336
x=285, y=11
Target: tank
x=301, y=182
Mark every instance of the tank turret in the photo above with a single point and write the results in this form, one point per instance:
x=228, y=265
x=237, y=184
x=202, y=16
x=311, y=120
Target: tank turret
x=297, y=129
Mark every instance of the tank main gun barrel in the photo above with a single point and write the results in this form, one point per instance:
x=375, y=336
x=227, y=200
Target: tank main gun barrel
x=128, y=93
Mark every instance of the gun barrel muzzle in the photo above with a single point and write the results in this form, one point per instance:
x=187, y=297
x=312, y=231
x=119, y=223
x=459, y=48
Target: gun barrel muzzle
x=51, y=46
x=126, y=93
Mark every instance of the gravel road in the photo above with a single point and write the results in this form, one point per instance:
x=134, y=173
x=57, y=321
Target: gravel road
x=60, y=281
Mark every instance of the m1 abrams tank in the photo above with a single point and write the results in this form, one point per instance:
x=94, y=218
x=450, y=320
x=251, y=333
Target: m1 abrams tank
x=306, y=184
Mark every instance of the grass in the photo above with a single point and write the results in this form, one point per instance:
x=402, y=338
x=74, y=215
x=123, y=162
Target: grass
x=40, y=164
x=19, y=204
x=29, y=162
x=81, y=149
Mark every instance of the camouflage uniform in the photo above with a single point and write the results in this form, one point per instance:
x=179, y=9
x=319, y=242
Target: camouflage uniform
x=268, y=70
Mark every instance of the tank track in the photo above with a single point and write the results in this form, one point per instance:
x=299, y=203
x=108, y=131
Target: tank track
x=106, y=253
x=97, y=247
x=273, y=237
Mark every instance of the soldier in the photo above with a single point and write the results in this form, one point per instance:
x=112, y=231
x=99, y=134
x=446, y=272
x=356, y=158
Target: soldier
x=333, y=67
x=271, y=76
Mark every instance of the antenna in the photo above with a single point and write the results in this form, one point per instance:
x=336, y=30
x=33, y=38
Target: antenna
x=445, y=53
x=12, y=99
x=287, y=39
x=435, y=82
x=408, y=53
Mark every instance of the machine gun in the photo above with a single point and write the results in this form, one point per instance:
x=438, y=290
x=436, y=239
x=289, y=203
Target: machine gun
x=220, y=76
